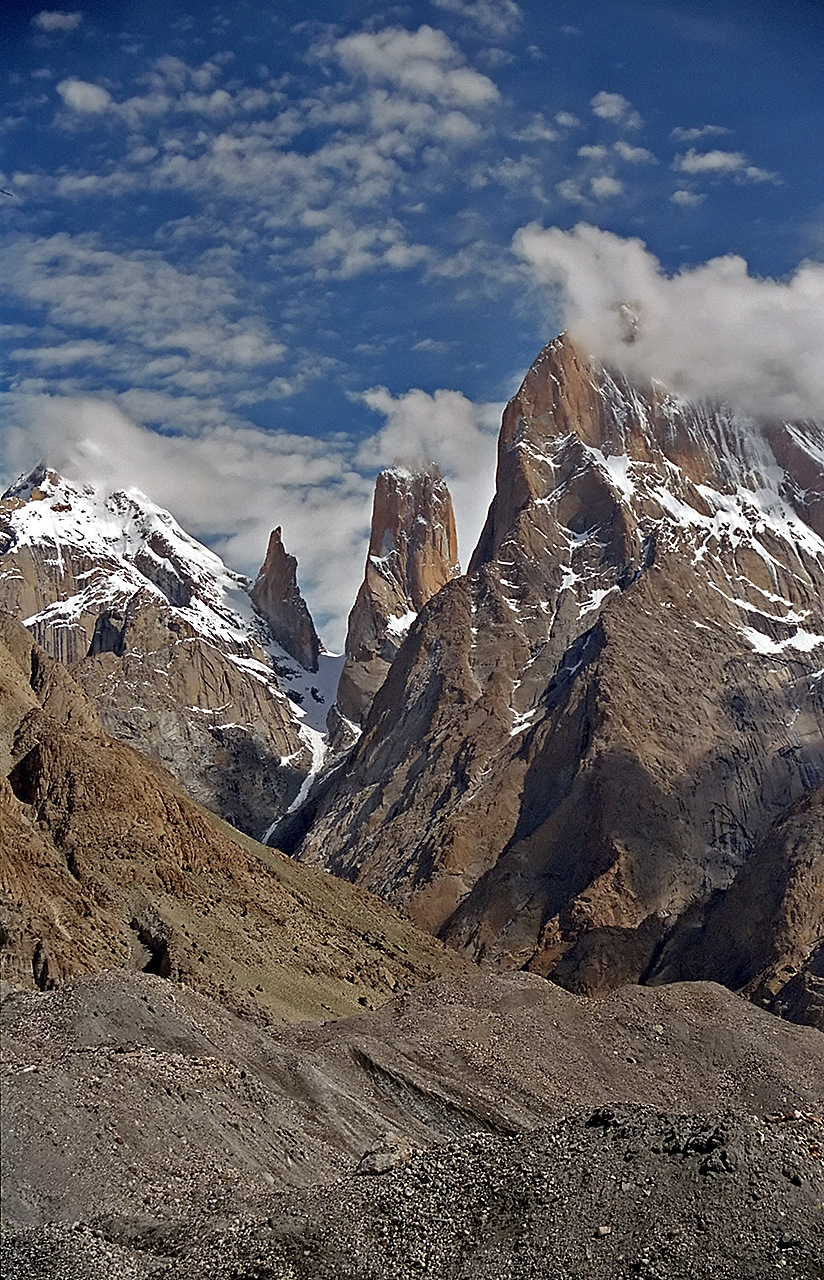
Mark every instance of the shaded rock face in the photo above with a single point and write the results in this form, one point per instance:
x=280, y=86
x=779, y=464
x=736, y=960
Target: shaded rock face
x=275, y=592
x=592, y=731
x=107, y=863
x=413, y=552
x=765, y=934
x=161, y=636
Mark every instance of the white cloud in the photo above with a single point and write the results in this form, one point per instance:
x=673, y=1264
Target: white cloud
x=567, y=120
x=54, y=20
x=499, y=18
x=721, y=163
x=90, y=99
x=146, y=308
x=595, y=152
x=538, y=130
x=604, y=186
x=424, y=63
x=446, y=428
x=570, y=189
x=634, y=155
x=711, y=330
x=615, y=107
x=692, y=135
x=687, y=199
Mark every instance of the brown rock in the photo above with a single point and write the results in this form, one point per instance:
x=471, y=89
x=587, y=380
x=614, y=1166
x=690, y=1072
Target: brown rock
x=275, y=592
x=107, y=863
x=143, y=616
x=412, y=554
x=592, y=731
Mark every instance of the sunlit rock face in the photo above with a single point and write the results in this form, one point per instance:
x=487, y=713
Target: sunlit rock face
x=163, y=638
x=413, y=552
x=586, y=737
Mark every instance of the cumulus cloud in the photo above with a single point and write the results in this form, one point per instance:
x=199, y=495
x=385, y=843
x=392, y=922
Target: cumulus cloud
x=424, y=63
x=446, y=428
x=54, y=20
x=616, y=108
x=604, y=186
x=721, y=163
x=687, y=199
x=80, y=95
x=634, y=155
x=711, y=330
x=498, y=18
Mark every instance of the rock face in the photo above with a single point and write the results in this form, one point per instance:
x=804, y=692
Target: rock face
x=413, y=552
x=165, y=641
x=107, y=863
x=275, y=592
x=589, y=735
x=765, y=934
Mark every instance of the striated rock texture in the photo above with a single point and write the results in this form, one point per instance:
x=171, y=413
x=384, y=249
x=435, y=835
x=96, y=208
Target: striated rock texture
x=413, y=552
x=589, y=735
x=275, y=592
x=107, y=863
x=163, y=638
x=765, y=934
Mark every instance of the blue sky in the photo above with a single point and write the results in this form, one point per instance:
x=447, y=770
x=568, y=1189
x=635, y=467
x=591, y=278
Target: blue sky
x=253, y=250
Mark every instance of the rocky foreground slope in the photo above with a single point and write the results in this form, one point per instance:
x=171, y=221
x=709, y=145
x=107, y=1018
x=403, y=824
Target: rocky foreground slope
x=590, y=736
x=106, y=862
x=489, y=1126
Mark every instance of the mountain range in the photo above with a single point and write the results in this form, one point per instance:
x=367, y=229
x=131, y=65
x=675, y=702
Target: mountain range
x=595, y=757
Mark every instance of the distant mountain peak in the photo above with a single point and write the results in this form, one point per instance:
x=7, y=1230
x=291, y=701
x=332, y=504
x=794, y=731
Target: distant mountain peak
x=413, y=552
x=275, y=593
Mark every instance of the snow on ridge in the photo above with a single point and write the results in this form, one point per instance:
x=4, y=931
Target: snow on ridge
x=126, y=538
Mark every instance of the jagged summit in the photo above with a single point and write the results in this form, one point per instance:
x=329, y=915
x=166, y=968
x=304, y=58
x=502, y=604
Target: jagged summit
x=587, y=735
x=413, y=552
x=276, y=594
x=166, y=641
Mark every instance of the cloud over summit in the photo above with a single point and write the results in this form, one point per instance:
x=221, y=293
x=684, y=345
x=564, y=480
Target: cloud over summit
x=708, y=331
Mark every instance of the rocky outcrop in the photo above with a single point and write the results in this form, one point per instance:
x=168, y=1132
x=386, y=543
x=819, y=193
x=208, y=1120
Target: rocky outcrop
x=413, y=552
x=162, y=637
x=107, y=863
x=275, y=593
x=592, y=731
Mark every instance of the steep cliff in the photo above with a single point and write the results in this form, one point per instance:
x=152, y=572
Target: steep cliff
x=413, y=552
x=276, y=594
x=591, y=731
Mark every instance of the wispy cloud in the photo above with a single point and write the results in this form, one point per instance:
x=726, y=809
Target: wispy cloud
x=496, y=18
x=174, y=328
x=703, y=131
